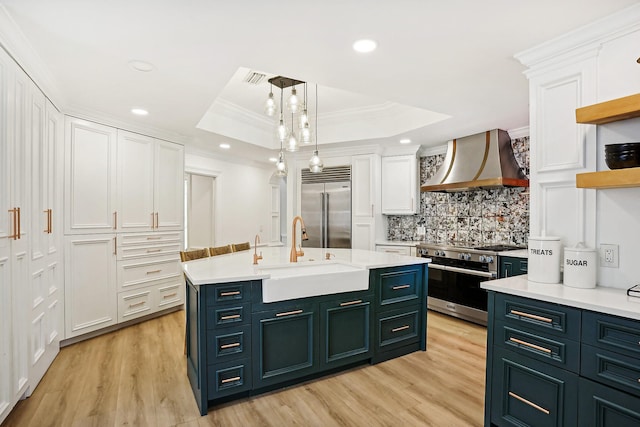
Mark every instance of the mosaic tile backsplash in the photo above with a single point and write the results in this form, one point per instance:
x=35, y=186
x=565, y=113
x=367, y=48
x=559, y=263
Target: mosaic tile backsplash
x=499, y=215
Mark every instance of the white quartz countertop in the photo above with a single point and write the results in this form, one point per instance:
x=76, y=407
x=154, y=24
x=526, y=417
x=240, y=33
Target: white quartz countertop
x=604, y=300
x=518, y=253
x=399, y=242
x=239, y=266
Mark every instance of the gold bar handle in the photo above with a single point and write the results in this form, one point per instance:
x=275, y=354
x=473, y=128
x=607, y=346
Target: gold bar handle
x=528, y=344
x=401, y=328
x=153, y=271
x=14, y=221
x=50, y=221
x=531, y=316
x=154, y=238
x=153, y=221
x=528, y=402
x=344, y=304
x=115, y=245
x=171, y=295
x=115, y=220
x=46, y=230
x=235, y=344
x=153, y=250
x=137, y=304
x=230, y=380
x=19, y=224
x=288, y=313
x=231, y=316
x=395, y=288
x=157, y=221
x=228, y=294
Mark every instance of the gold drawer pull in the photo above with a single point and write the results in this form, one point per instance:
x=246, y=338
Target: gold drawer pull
x=528, y=402
x=153, y=250
x=343, y=304
x=230, y=380
x=401, y=328
x=395, y=288
x=137, y=304
x=231, y=316
x=171, y=295
x=154, y=238
x=228, y=294
x=537, y=347
x=531, y=316
x=288, y=313
x=153, y=271
x=235, y=344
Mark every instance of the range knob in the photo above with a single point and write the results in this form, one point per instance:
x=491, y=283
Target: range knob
x=489, y=259
x=482, y=258
x=467, y=257
x=440, y=253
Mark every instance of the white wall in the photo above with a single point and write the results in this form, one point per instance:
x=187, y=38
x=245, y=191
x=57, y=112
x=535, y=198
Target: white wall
x=243, y=206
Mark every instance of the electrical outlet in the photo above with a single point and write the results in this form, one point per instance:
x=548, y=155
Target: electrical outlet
x=609, y=256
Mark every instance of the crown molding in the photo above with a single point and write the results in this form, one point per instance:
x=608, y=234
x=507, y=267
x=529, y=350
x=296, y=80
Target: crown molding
x=433, y=151
x=518, y=132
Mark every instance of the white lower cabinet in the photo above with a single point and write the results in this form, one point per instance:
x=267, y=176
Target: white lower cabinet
x=397, y=249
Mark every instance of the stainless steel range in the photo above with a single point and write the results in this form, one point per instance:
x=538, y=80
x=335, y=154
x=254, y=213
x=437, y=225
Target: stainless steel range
x=455, y=275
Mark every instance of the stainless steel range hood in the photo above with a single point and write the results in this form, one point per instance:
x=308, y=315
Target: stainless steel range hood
x=484, y=160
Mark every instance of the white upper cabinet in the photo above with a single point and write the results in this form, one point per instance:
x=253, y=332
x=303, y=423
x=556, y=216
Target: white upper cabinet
x=90, y=177
x=150, y=183
x=399, y=185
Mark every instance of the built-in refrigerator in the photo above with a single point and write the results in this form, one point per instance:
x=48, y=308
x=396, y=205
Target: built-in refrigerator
x=326, y=207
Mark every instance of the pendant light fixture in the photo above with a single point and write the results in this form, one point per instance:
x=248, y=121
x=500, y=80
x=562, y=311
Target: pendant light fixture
x=293, y=103
x=305, y=129
x=315, y=163
x=270, y=106
x=292, y=141
x=282, y=127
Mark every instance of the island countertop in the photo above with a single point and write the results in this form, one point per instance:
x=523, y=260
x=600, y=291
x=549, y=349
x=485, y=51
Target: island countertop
x=238, y=266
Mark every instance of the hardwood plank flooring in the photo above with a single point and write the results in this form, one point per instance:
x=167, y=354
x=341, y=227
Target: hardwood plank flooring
x=136, y=377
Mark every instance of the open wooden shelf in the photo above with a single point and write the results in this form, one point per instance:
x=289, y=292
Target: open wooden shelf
x=618, y=178
x=610, y=111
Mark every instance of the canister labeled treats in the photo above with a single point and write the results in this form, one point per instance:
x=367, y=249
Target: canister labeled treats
x=544, y=259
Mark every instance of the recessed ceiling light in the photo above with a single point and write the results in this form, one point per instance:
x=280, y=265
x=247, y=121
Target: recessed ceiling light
x=273, y=159
x=139, y=111
x=405, y=141
x=225, y=146
x=143, y=66
x=365, y=46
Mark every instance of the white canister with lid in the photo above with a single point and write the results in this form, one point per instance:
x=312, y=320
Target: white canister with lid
x=580, y=266
x=544, y=259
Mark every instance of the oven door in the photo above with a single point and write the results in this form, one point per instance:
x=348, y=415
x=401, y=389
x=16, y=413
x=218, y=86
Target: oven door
x=466, y=289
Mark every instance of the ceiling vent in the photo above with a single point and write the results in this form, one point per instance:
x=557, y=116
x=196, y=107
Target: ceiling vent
x=254, y=78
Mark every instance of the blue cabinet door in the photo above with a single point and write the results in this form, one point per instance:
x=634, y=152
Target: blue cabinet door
x=603, y=406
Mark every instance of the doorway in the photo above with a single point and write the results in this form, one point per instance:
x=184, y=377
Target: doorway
x=200, y=211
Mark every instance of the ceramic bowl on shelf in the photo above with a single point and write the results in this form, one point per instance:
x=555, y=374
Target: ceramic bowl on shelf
x=620, y=156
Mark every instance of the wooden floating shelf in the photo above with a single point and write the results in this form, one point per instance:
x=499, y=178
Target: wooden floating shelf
x=610, y=111
x=617, y=178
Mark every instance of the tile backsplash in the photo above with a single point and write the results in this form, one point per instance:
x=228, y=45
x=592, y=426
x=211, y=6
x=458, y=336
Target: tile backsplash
x=499, y=215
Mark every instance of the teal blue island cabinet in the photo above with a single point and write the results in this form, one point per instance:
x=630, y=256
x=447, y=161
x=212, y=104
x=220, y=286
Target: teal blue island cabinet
x=551, y=364
x=238, y=345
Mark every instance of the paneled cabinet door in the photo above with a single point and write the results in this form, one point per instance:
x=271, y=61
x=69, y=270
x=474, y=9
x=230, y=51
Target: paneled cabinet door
x=364, y=206
x=399, y=185
x=90, y=177
x=90, y=283
x=169, y=186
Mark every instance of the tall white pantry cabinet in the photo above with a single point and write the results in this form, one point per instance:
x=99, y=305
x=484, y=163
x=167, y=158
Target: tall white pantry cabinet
x=123, y=225
x=31, y=288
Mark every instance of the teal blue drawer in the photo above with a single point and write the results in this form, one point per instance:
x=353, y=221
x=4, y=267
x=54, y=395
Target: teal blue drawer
x=230, y=378
x=233, y=292
x=228, y=344
x=611, y=333
x=611, y=368
x=399, y=285
x=398, y=328
x=538, y=316
x=547, y=348
x=226, y=316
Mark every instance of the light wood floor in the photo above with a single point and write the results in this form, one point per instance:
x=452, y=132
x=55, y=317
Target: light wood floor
x=136, y=377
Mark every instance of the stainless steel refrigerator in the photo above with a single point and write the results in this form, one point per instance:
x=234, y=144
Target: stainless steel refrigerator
x=326, y=207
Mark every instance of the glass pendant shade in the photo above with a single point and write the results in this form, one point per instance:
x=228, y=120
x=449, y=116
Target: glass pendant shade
x=270, y=106
x=292, y=142
x=304, y=118
x=315, y=163
x=305, y=134
x=281, y=165
x=293, y=103
x=282, y=130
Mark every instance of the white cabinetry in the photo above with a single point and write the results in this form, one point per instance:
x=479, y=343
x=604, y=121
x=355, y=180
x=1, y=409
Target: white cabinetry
x=399, y=185
x=365, y=200
x=397, y=249
x=149, y=183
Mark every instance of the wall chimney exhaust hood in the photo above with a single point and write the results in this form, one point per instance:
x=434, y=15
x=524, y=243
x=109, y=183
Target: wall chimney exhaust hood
x=484, y=160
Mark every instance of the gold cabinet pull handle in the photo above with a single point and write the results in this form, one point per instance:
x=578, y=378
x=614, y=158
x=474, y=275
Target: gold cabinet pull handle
x=344, y=304
x=19, y=224
x=288, y=313
x=528, y=402
x=115, y=245
x=153, y=250
x=115, y=220
x=401, y=328
x=154, y=238
x=235, y=344
x=153, y=271
x=228, y=294
x=531, y=316
x=14, y=218
x=171, y=295
x=230, y=380
x=136, y=304
x=528, y=344
x=46, y=230
x=395, y=288
x=157, y=221
x=231, y=316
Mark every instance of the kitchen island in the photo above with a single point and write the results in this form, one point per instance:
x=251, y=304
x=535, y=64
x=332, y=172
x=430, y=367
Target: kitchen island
x=254, y=328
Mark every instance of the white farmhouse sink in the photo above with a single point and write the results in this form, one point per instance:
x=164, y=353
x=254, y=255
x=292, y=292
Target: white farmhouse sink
x=301, y=280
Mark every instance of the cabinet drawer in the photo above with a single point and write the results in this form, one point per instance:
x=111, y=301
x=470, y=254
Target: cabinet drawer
x=397, y=286
x=223, y=345
x=145, y=251
x=526, y=392
x=390, y=249
x=132, y=274
x=611, y=333
x=170, y=294
x=538, y=316
x=128, y=239
x=614, y=369
x=556, y=351
x=228, y=293
x=219, y=317
x=230, y=378
x=135, y=304
x=602, y=406
x=398, y=328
